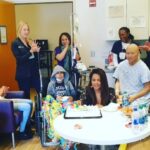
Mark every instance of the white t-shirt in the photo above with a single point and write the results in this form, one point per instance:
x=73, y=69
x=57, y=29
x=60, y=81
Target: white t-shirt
x=132, y=77
x=125, y=45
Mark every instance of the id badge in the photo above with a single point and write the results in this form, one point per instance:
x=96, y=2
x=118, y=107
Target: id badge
x=32, y=56
x=122, y=55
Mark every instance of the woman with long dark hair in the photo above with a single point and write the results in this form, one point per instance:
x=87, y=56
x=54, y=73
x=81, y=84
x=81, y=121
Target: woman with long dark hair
x=67, y=56
x=64, y=52
x=97, y=92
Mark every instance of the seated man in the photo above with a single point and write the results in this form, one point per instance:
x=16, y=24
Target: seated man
x=60, y=85
x=133, y=76
x=23, y=105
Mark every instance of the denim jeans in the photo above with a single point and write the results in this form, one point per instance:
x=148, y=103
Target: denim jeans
x=24, y=105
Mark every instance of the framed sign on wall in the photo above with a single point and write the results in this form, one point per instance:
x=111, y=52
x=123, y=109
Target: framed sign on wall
x=3, y=35
x=92, y=3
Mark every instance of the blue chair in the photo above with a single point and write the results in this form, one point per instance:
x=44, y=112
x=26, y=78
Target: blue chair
x=10, y=119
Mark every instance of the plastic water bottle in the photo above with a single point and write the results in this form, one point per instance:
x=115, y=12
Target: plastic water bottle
x=135, y=120
x=125, y=99
x=143, y=121
x=141, y=117
x=145, y=114
x=83, y=95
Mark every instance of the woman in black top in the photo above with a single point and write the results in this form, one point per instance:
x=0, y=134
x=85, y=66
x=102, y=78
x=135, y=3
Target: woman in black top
x=25, y=52
x=97, y=92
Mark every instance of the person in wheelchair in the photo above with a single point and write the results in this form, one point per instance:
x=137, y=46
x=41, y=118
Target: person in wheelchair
x=24, y=105
x=60, y=86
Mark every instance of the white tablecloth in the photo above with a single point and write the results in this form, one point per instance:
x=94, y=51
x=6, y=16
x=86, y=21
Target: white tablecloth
x=108, y=130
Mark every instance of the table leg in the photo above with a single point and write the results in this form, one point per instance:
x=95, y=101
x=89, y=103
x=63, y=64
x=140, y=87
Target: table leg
x=103, y=147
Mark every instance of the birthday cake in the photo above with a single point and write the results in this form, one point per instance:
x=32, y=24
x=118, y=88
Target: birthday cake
x=82, y=112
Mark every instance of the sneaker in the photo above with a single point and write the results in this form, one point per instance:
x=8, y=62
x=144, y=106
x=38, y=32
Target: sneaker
x=28, y=129
x=32, y=122
x=24, y=136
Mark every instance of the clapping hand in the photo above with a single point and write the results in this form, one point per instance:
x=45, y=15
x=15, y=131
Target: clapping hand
x=34, y=47
x=146, y=46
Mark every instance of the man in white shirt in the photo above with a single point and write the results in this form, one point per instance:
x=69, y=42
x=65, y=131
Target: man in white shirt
x=133, y=76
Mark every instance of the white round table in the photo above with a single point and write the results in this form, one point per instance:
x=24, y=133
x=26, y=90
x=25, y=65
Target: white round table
x=108, y=130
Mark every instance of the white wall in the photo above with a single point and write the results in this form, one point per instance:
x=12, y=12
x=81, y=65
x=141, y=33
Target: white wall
x=92, y=30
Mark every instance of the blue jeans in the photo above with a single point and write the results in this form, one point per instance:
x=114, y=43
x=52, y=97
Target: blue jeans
x=24, y=105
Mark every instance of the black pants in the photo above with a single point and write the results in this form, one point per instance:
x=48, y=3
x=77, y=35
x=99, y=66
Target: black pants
x=27, y=83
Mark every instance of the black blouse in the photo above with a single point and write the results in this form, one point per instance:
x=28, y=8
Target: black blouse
x=90, y=96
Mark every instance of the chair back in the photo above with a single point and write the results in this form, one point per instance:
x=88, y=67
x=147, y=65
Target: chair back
x=7, y=118
x=15, y=94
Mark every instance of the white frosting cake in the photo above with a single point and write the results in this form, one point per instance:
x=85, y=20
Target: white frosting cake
x=83, y=112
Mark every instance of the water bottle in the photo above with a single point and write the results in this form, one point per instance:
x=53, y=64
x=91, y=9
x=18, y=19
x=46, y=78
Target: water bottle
x=141, y=118
x=135, y=120
x=82, y=97
x=125, y=99
x=145, y=114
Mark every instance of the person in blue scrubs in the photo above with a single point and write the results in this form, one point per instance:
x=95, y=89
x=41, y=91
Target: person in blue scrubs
x=26, y=54
x=119, y=47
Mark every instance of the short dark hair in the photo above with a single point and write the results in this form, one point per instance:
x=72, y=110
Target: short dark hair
x=126, y=29
x=65, y=34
